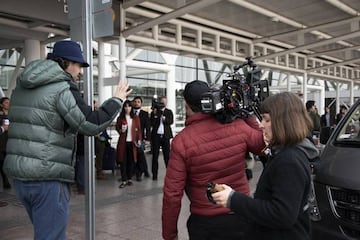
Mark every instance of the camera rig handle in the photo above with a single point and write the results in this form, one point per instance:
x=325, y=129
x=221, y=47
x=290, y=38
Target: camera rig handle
x=249, y=62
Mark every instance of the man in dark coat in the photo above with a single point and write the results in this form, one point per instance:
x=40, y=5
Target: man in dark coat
x=141, y=165
x=327, y=119
x=161, y=120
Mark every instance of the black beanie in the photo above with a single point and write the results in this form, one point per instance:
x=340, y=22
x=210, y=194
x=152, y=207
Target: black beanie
x=193, y=92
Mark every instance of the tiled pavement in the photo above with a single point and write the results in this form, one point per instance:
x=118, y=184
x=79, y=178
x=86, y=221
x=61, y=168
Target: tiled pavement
x=131, y=213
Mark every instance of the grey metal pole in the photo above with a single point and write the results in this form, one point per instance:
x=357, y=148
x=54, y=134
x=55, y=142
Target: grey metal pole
x=122, y=45
x=87, y=23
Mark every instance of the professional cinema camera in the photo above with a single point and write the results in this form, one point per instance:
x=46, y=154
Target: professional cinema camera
x=239, y=96
x=156, y=104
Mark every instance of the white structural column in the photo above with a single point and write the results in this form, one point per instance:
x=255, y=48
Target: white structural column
x=101, y=70
x=351, y=102
x=288, y=82
x=122, y=58
x=12, y=82
x=43, y=51
x=104, y=69
x=304, y=90
x=321, y=108
x=319, y=97
x=170, y=82
x=251, y=50
x=32, y=50
x=337, y=96
x=122, y=45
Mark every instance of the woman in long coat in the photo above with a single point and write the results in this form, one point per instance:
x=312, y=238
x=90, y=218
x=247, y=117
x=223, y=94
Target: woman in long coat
x=128, y=127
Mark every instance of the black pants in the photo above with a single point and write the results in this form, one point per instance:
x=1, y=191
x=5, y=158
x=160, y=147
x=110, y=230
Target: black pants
x=99, y=155
x=127, y=167
x=3, y=175
x=221, y=227
x=140, y=166
x=157, y=142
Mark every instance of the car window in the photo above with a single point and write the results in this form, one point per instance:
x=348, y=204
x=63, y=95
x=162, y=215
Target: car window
x=350, y=131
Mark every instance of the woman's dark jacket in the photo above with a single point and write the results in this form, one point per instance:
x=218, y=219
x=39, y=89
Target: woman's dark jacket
x=46, y=112
x=277, y=210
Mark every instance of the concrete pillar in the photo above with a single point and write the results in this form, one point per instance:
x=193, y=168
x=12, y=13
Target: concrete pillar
x=122, y=58
x=288, y=82
x=320, y=95
x=304, y=86
x=43, y=51
x=106, y=52
x=12, y=81
x=32, y=50
x=101, y=71
x=304, y=90
x=337, y=96
x=351, y=102
x=122, y=46
x=170, y=82
x=251, y=50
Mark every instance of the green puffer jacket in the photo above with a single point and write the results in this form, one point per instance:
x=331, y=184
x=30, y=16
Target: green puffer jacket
x=46, y=112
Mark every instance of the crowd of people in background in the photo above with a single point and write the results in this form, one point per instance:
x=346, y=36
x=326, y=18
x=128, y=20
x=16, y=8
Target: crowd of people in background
x=324, y=124
x=136, y=129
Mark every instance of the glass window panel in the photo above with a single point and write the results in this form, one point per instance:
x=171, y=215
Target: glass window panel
x=150, y=56
x=186, y=61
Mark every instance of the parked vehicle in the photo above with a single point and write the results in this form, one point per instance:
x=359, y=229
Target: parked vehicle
x=337, y=181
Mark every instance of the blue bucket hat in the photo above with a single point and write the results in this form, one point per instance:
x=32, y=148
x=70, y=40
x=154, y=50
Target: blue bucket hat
x=69, y=50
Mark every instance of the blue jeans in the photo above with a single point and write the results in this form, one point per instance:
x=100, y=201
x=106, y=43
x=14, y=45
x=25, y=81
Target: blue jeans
x=47, y=204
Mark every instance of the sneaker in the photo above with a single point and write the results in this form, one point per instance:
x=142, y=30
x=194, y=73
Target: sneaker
x=129, y=183
x=122, y=185
x=146, y=174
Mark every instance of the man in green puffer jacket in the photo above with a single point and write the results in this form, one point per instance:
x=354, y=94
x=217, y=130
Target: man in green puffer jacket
x=46, y=113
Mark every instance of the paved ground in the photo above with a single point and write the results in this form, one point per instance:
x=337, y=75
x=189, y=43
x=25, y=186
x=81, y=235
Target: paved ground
x=131, y=213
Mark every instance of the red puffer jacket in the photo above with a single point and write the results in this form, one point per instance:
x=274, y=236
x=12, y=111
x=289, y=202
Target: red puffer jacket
x=205, y=151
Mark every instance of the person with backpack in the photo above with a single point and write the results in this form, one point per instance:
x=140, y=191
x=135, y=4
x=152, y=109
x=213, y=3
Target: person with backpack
x=279, y=209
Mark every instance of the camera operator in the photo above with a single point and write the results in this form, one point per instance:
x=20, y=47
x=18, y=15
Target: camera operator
x=207, y=151
x=161, y=119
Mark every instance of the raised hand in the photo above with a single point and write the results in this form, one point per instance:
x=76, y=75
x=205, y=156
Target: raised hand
x=122, y=90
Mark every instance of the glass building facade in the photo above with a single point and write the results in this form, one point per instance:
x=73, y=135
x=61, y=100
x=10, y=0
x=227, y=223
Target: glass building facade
x=187, y=69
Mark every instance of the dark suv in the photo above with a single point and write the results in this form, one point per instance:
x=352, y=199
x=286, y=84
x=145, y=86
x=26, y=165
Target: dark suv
x=337, y=181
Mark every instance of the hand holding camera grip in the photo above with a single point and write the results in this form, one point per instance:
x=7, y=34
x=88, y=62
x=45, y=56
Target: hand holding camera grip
x=212, y=188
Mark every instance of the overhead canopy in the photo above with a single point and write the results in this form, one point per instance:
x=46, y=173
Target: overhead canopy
x=320, y=37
